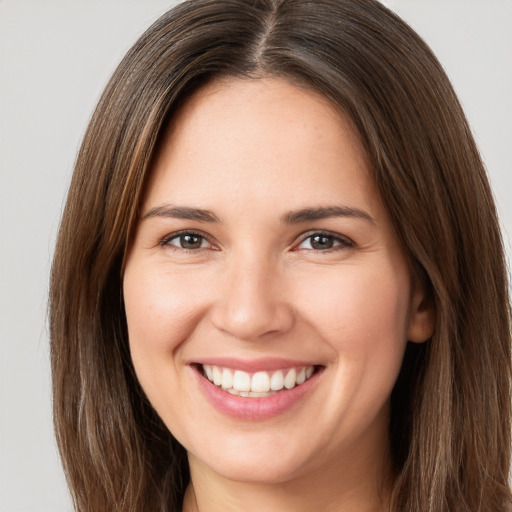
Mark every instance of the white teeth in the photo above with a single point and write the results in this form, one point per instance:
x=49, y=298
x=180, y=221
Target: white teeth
x=289, y=380
x=241, y=381
x=217, y=376
x=261, y=395
x=260, y=384
x=227, y=378
x=277, y=381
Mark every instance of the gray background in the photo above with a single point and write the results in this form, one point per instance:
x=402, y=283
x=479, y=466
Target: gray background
x=55, y=58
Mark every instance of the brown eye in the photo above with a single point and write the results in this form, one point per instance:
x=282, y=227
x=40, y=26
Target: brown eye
x=190, y=241
x=324, y=242
x=320, y=242
x=187, y=241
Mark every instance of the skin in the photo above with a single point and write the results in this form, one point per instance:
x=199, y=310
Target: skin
x=249, y=152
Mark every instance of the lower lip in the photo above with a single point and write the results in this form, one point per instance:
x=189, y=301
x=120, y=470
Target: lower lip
x=255, y=409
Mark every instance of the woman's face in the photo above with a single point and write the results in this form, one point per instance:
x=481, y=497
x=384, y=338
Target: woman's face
x=265, y=261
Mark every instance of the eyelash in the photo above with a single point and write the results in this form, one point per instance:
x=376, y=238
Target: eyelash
x=165, y=242
x=341, y=242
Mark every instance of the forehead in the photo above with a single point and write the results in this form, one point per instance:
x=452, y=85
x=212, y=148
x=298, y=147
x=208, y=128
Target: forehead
x=244, y=137
x=253, y=107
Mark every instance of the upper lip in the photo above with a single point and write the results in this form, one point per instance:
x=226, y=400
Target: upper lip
x=253, y=365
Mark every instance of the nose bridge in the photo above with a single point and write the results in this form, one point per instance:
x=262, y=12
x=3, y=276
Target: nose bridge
x=251, y=304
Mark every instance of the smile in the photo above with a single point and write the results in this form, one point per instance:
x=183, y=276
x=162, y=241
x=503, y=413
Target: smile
x=256, y=390
x=259, y=384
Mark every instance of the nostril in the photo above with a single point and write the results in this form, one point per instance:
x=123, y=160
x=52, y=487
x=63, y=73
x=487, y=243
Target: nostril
x=252, y=322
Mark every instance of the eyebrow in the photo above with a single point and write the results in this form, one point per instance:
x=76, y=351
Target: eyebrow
x=309, y=214
x=181, y=212
x=292, y=217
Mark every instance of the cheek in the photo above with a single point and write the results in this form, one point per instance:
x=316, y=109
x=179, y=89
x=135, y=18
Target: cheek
x=359, y=304
x=363, y=315
x=367, y=330
x=159, y=316
x=159, y=307
x=162, y=309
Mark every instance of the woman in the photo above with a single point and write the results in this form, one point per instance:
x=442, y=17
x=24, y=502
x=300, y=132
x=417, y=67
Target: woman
x=279, y=281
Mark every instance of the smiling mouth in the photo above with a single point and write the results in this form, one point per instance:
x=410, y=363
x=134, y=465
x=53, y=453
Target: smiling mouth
x=259, y=384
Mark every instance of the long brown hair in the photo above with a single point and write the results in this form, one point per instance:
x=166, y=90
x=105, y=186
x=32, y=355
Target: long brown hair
x=450, y=409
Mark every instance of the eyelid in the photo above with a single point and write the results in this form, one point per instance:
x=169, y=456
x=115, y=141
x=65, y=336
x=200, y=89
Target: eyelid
x=164, y=241
x=344, y=241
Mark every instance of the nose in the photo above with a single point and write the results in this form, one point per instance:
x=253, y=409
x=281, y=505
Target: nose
x=252, y=301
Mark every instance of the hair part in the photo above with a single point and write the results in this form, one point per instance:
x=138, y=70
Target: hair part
x=450, y=419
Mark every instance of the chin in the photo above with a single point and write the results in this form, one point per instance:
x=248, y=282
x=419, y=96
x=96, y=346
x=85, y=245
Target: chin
x=261, y=463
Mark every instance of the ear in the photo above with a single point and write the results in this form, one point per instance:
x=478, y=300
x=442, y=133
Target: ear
x=422, y=315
